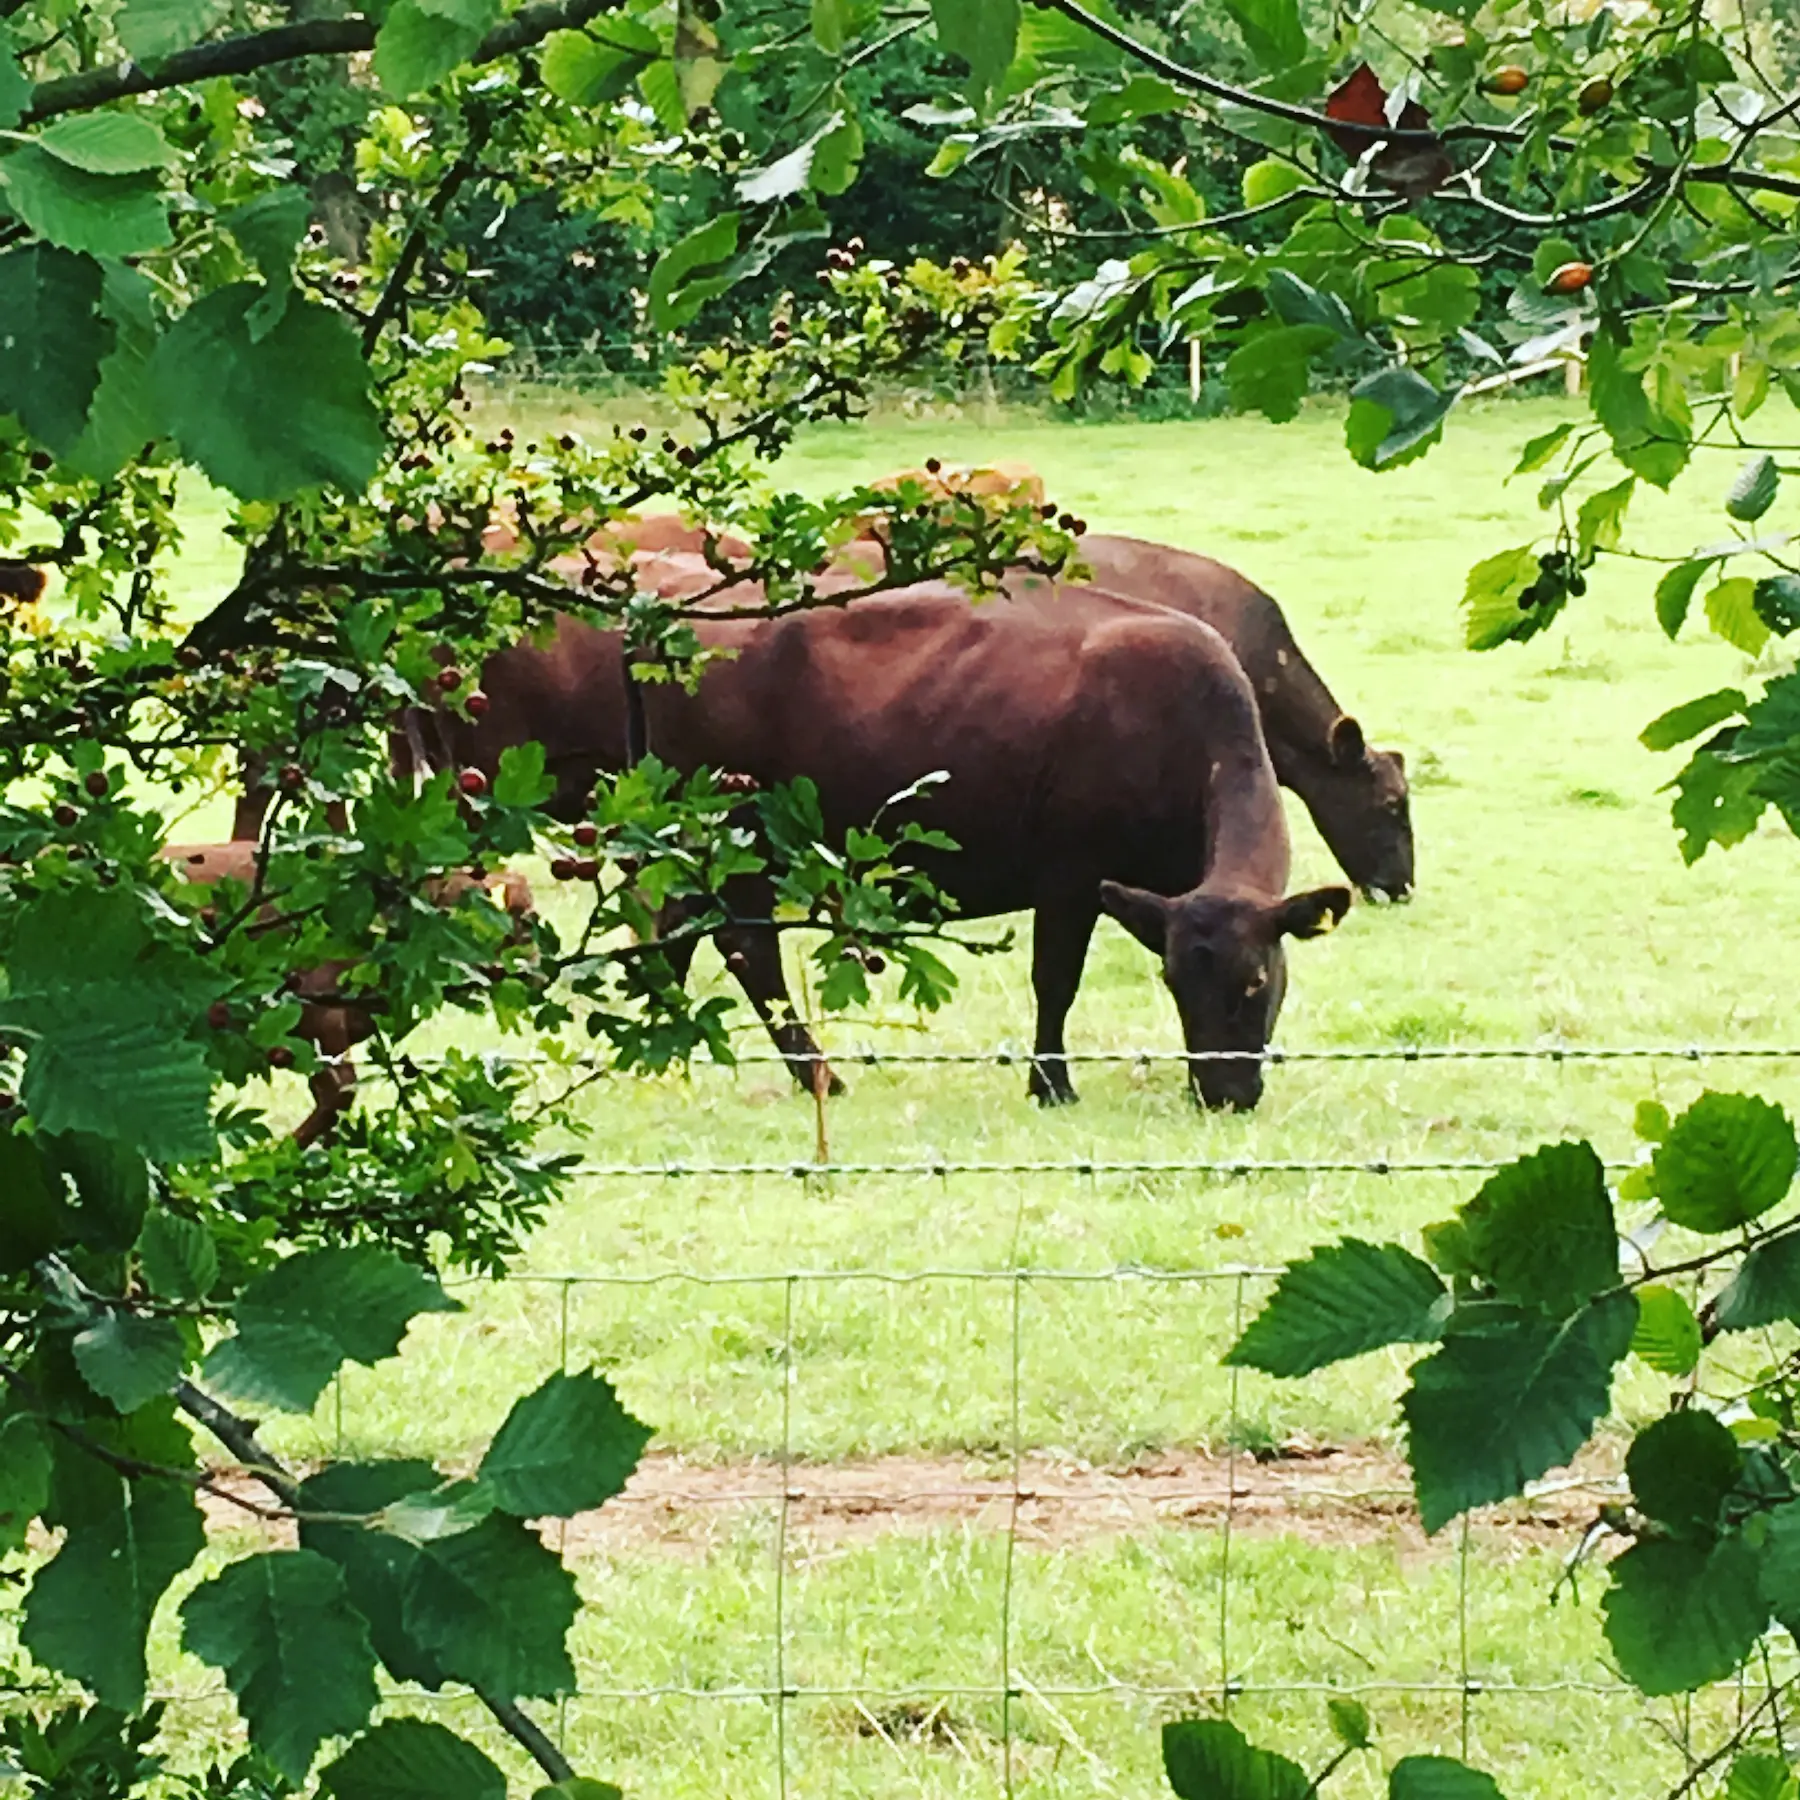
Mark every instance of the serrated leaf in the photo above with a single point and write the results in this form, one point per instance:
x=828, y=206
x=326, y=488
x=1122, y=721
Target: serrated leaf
x=1754, y=490
x=15, y=89
x=1668, y=1335
x=1681, y=1469
x=1508, y=1396
x=1541, y=448
x=1675, y=594
x=412, y=1759
x=1600, y=519
x=103, y=215
x=269, y=230
x=1439, y=1778
x=150, y=29
x=1778, y=603
x=271, y=417
x=493, y=1606
x=1343, y=1300
x=1491, y=597
x=103, y=1072
x=564, y=1448
x=106, y=143
x=1766, y=1288
x=1691, y=718
x=1395, y=416
x=1540, y=1231
x=292, y=1647
x=52, y=339
x=592, y=67
x=123, y=416
x=984, y=33
x=1349, y=1721
x=128, y=1359
x=1716, y=802
x=112, y=1186
x=1681, y=1614
x=677, y=288
x=1731, y=612
x=301, y=1322
x=417, y=47
x=1726, y=1161
x=1271, y=373
x=1757, y=1777
x=1271, y=31
x=178, y=1257
x=1210, y=1759
x=24, y=1477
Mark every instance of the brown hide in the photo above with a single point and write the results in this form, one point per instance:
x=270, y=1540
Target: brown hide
x=1102, y=753
x=333, y=1027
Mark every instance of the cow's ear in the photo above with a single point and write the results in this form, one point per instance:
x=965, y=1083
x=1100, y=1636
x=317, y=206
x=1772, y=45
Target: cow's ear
x=1144, y=915
x=1313, y=914
x=1347, y=745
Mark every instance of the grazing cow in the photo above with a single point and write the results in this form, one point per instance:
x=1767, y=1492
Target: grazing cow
x=334, y=1026
x=1104, y=755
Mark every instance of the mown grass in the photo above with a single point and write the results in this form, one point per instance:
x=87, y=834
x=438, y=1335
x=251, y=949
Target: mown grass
x=1553, y=907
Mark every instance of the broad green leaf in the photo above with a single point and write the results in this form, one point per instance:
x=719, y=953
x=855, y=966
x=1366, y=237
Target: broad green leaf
x=790, y=174
x=1647, y=440
x=1716, y=802
x=1272, y=32
x=1491, y=596
x=837, y=156
x=24, y=1477
x=177, y=1256
x=1675, y=594
x=1297, y=302
x=1650, y=1121
x=1270, y=180
x=984, y=33
x=1600, y=519
x=95, y=1072
x=1766, y=1288
x=104, y=215
x=1731, y=612
x=1681, y=1469
x=1780, y=1574
x=124, y=415
x=1508, y=1396
x=1772, y=723
x=412, y=1759
x=1271, y=373
x=269, y=230
x=417, y=47
x=1726, y=1161
x=34, y=1219
x=1140, y=97
x=662, y=94
x=1210, y=1759
x=52, y=339
x=1754, y=490
x=950, y=156
x=377, y=1565
x=15, y=88
x=106, y=143
x=579, y=1787
x=594, y=67
x=150, y=29
x=1540, y=1231
x=1396, y=415
x=1439, y=1778
x=1681, y=1614
x=564, y=1448
x=128, y=1359
x=301, y=1322
x=831, y=24
x=1343, y=1300
x=1757, y=1777
x=677, y=288
x=1349, y=1721
x=1668, y=1335
x=112, y=1186
x=1778, y=603
x=494, y=1606
x=1691, y=718
x=272, y=418
x=292, y=1647
x=1541, y=448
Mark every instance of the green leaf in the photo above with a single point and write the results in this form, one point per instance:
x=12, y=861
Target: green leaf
x=831, y=24
x=677, y=289
x=412, y=1759
x=595, y=67
x=1600, y=519
x=1668, y=1335
x=105, y=215
x=1491, y=596
x=1726, y=1161
x=15, y=89
x=268, y=230
x=1439, y=1778
x=24, y=1477
x=127, y=1359
x=1210, y=1759
x=1296, y=302
x=1270, y=180
x=1271, y=373
x=1682, y=1468
x=418, y=46
x=1508, y=1396
x=1681, y=1614
x=96, y=1072
x=1754, y=490
x=579, y=1787
x=1766, y=1288
x=1716, y=802
x=106, y=143
x=1139, y=97
x=273, y=417
x=124, y=415
x=1691, y=718
x=1541, y=448
x=178, y=1256
x=1349, y=1721
x=1271, y=31
x=34, y=1220
x=112, y=1184
x=1343, y=1300
x=1780, y=1573
x=521, y=779
x=1649, y=441
x=494, y=1606
x=150, y=29
x=1540, y=1231
x=52, y=339
x=565, y=1448
x=377, y=1565
x=1675, y=594
x=293, y=1649
x=89, y=1608
x=1650, y=1121
x=1757, y=1777
x=793, y=173
x=984, y=33
x=1778, y=603
x=1396, y=415
x=299, y=1323
x=1731, y=612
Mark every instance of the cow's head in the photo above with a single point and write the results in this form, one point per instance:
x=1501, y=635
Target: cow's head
x=1358, y=797
x=1223, y=961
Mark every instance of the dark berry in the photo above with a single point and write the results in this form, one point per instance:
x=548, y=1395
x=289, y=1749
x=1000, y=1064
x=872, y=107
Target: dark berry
x=65, y=815
x=472, y=782
x=477, y=703
x=97, y=785
x=587, y=869
x=281, y=1057
x=562, y=868
x=218, y=1015
x=450, y=679
x=587, y=834
x=874, y=962
x=292, y=777
x=189, y=657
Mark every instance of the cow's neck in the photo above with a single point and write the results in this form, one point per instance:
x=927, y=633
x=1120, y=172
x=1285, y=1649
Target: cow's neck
x=1246, y=834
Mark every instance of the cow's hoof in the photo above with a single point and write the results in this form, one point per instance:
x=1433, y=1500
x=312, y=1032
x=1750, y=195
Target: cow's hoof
x=1048, y=1092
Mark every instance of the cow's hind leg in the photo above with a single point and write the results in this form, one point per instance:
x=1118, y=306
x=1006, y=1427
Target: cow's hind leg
x=753, y=955
x=1060, y=932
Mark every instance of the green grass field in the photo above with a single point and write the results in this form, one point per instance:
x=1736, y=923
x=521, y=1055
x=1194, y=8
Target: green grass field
x=1552, y=908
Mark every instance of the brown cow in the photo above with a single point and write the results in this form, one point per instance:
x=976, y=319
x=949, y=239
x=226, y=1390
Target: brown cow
x=333, y=1027
x=1103, y=755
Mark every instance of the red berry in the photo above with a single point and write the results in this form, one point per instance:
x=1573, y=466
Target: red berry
x=477, y=703
x=97, y=785
x=587, y=834
x=473, y=783
x=563, y=868
x=281, y=1057
x=587, y=869
x=450, y=679
x=189, y=657
x=218, y=1015
x=1510, y=79
x=1570, y=278
x=65, y=815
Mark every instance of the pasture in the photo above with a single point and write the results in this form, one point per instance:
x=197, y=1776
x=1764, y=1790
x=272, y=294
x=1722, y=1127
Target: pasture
x=996, y=1395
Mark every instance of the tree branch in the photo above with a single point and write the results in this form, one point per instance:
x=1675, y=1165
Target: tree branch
x=531, y=1736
